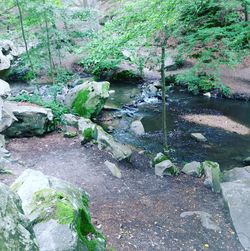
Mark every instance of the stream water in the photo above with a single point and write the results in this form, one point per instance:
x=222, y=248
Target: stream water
x=225, y=147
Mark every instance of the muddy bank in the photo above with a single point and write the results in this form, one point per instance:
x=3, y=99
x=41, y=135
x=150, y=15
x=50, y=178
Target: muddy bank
x=139, y=211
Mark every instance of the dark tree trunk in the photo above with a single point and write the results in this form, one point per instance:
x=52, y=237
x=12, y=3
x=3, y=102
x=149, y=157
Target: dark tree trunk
x=164, y=108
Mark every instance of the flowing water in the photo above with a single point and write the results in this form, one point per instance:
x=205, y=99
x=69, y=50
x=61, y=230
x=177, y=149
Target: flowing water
x=227, y=148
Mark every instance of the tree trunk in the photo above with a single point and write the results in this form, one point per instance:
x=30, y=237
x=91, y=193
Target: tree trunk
x=245, y=6
x=24, y=37
x=48, y=44
x=164, y=108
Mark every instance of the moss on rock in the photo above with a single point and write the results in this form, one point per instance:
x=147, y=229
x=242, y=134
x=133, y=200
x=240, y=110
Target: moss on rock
x=88, y=99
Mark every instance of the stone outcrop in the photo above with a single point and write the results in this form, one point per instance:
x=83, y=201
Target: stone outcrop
x=31, y=120
x=236, y=194
x=90, y=131
x=59, y=213
x=87, y=99
x=16, y=232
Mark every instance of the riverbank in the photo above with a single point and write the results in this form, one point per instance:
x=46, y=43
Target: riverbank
x=139, y=211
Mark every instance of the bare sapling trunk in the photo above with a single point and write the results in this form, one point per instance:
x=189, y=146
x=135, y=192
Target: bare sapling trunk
x=48, y=45
x=164, y=108
x=24, y=37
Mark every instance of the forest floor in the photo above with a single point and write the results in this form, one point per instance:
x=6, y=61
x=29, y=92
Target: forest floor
x=137, y=212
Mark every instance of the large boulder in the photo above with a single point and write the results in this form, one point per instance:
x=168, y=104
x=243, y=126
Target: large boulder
x=59, y=212
x=88, y=99
x=16, y=232
x=32, y=120
x=236, y=194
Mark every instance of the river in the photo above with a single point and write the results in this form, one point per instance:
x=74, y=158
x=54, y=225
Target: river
x=225, y=147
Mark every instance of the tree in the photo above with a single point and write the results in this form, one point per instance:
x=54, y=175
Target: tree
x=40, y=26
x=210, y=32
x=141, y=23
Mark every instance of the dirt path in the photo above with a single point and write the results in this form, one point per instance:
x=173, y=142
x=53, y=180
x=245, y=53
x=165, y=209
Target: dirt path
x=138, y=212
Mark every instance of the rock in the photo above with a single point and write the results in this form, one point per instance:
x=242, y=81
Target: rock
x=159, y=158
x=213, y=175
x=106, y=142
x=4, y=89
x=6, y=115
x=206, y=219
x=16, y=232
x=125, y=72
x=90, y=131
x=151, y=90
x=70, y=120
x=88, y=99
x=59, y=212
x=170, y=63
x=247, y=161
x=166, y=167
x=207, y=94
x=236, y=195
x=193, y=168
x=70, y=132
x=111, y=92
x=32, y=120
x=7, y=54
x=157, y=84
x=137, y=127
x=238, y=173
x=2, y=141
x=111, y=108
x=199, y=137
x=113, y=169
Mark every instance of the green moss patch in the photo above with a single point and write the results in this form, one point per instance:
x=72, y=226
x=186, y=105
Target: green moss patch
x=89, y=134
x=79, y=104
x=51, y=204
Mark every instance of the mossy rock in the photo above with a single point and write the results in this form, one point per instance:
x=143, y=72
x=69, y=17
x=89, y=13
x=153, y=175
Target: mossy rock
x=160, y=157
x=88, y=99
x=213, y=175
x=16, y=232
x=59, y=213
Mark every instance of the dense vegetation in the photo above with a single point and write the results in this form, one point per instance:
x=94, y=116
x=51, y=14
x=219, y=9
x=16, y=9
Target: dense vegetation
x=207, y=32
x=210, y=33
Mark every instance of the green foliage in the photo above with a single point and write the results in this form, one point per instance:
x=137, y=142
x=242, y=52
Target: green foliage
x=48, y=28
x=134, y=26
x=210, y=32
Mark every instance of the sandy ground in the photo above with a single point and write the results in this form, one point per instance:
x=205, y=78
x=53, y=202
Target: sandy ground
x=139, y=211
x=218, y=121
